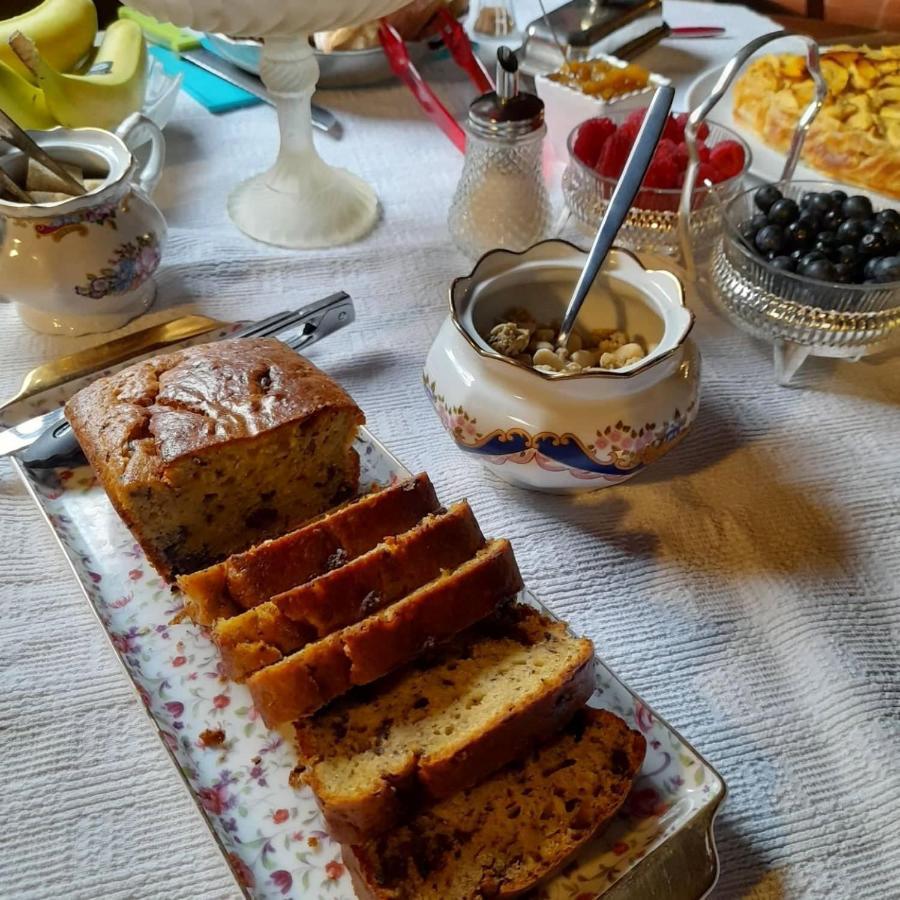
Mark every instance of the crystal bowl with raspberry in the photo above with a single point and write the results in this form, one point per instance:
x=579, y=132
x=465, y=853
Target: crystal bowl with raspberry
x=598, y=149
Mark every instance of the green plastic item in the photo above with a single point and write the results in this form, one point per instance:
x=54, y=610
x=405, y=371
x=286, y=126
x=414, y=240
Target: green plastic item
x=162, y=33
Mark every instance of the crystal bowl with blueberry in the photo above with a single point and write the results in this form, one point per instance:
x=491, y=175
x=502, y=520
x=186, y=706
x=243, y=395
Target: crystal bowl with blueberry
x=598, y=149
x=810, y=263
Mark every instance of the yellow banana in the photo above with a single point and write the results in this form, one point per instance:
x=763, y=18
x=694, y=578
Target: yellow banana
x=24, y=102
x=63, y=30
x=102, y=99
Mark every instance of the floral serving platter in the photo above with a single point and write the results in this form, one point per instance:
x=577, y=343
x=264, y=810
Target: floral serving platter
x=272, y=834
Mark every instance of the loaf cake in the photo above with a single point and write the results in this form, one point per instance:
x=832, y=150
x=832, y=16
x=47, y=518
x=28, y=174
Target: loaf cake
x=247, y=579
x=503, y=836
x=397, y=566
x=443, y=723
x=206, y=451
x=305, y=681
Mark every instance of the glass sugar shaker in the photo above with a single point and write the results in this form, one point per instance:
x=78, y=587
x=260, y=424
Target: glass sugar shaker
x=501, y=200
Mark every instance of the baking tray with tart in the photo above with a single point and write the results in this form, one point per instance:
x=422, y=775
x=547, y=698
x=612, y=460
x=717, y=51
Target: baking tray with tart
x=273, y=835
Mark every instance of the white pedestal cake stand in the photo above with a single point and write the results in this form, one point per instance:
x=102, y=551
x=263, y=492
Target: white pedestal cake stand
x=301, y=202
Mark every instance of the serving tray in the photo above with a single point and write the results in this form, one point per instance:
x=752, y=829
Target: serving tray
x=271, y=834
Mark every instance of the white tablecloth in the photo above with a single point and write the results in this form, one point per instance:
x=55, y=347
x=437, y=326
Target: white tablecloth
x=747, y=586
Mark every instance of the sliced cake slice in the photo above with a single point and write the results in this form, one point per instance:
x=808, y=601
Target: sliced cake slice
x=500, y=838
x=304, y=682
x=442, y=725
x=247, y=579
x=397, y=566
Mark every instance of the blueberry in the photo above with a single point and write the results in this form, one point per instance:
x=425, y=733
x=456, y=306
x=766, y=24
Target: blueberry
x=838, y=198
x=747, y=231
x=857, y=207
x=872, y=245
x=870, y=224
x=820, y=203
x=759, y=220
x=766, y=196
x=889, y=231
x=811, y=257
x=832, y=219
x=820, y=269
x=783, y=211
x=811, y=220
x=785, y=263
x=843, y=273
x=851, y=231
x=888, y=216
x=827, y=242
x=799, y=235
x=868, y=270
x=886, y=269
x=847, y=254
x=770, y=239
x=797, y=255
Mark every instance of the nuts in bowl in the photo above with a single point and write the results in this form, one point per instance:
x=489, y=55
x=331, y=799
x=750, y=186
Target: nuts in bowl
x=533, y=343
x=598, y=149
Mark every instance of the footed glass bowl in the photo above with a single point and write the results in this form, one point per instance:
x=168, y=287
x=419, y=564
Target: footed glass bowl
x=801, y=315
x=652, y=223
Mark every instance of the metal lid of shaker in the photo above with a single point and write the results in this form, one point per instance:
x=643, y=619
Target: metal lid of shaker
x=506, y=113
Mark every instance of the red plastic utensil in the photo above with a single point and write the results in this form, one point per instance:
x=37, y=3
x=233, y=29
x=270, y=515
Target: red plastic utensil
x=697, y=31
x=402, y=66
x=457, y=42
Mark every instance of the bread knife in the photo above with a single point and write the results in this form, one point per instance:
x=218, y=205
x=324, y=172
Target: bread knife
x=227, y=71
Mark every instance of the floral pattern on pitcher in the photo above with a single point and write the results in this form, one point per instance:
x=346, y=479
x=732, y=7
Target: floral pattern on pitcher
x=132, y=264
x=77, y=222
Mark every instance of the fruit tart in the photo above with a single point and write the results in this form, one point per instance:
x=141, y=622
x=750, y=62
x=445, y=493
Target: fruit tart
x=856, y=136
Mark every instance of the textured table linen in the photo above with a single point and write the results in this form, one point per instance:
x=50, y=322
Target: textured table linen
x=747, y=585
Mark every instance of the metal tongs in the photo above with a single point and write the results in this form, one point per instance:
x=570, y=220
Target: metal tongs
x=12, y=134
x=457, y=42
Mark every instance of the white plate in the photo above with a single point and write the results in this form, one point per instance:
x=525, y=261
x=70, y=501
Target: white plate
x=272, y=835
x=767, y=164
x=341, y=69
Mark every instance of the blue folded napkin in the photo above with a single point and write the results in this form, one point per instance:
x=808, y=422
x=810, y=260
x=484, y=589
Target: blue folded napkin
x=208, y=90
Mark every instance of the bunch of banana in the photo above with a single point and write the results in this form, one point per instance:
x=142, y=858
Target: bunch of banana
x=62, y=30
x=48, y=76
x=111, y=88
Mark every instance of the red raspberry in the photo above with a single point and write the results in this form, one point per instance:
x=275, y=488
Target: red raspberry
x=614, y=154
x=728, y=158
x=663, y=171
x=674, y=130
x=707, y=172
x=591, y=137
x=632, y=125
x=702, y=151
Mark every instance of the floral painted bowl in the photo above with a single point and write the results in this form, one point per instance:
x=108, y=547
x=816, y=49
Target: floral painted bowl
x=565, y=433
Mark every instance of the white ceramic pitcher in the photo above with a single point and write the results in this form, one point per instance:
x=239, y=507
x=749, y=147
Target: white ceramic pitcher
x=86, y=264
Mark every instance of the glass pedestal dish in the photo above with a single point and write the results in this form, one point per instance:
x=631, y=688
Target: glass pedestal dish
x=801, y=316
x=652, y=223
x=301, y=202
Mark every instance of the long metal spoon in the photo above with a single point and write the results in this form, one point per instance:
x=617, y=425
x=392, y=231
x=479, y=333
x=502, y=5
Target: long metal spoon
x=623, y=196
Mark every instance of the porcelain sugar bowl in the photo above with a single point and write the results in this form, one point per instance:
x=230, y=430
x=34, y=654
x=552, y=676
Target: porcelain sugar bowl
x=85, y=264
x=565, y=431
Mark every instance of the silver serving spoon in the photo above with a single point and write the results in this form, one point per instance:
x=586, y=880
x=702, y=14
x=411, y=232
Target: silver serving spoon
x=623, y=196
